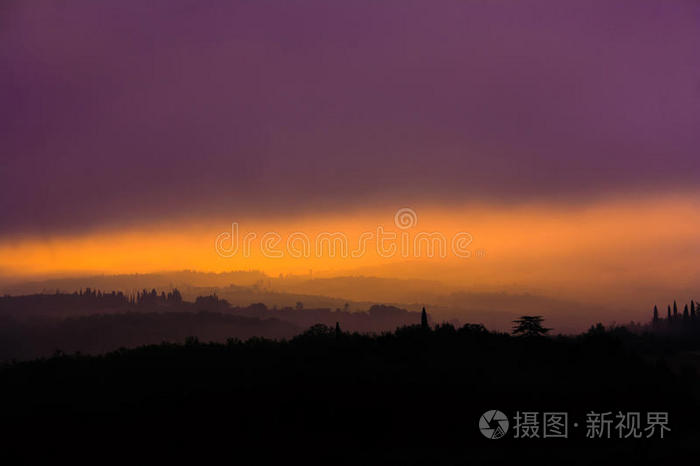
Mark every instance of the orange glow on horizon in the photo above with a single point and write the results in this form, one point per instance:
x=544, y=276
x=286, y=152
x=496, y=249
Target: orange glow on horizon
x=530, y=247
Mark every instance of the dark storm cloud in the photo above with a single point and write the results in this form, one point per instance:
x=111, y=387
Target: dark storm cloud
x=118, y=112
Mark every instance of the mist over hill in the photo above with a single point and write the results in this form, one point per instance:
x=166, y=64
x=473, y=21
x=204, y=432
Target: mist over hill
x=349, y=293
x=95, y=322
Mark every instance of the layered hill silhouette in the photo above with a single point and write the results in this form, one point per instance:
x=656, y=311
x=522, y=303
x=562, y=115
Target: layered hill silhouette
x=92, y=321
x=349, y=293
x=296, y=384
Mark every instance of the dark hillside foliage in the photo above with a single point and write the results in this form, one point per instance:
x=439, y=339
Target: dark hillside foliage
x=413, y=396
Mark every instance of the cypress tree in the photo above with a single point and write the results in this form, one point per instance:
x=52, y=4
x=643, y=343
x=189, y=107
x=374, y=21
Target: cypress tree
x=675, y=309
x=685, y=313
x=656, y=314
x=337, y=330
x=669, y=313
x=424, y=320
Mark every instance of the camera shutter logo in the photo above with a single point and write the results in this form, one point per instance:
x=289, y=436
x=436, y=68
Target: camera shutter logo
x=493, y=424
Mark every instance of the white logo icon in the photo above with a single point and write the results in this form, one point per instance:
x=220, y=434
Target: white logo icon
x=493, y=424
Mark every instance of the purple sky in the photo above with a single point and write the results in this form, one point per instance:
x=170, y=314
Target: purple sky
x=125, y=110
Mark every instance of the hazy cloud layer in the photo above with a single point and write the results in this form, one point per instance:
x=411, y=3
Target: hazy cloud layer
x=125, y=111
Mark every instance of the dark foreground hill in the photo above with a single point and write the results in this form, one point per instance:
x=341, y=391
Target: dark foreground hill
x=414, y=396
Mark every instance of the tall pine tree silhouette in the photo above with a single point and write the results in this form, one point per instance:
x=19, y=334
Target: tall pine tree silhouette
x=656, y=314
x=675, y=309
x=424, y=320
x=669, y=313
x=686, y=316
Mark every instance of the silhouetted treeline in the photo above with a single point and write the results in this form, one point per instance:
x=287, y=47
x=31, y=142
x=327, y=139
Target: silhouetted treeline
x=682, y=324
x=328, y=396
x=63, y=304
x=93, y=321
x=87, y=300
